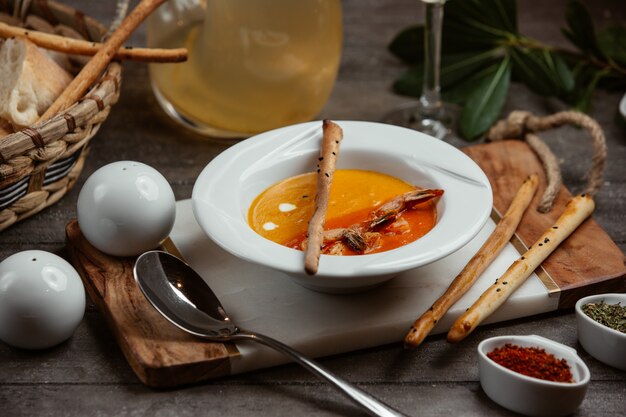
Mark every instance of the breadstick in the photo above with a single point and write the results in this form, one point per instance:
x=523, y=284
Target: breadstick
x=576, y=211
x=82, y=47
x=479, y=262
x=325, y=171
x=92, y=70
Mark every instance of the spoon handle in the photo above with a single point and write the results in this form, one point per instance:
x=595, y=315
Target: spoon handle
x=370, y=404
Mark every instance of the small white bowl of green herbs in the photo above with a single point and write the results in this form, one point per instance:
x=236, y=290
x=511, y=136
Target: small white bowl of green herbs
x=601, y=321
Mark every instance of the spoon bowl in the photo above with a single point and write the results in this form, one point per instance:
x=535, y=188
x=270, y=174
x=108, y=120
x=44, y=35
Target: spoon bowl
x=182, y=296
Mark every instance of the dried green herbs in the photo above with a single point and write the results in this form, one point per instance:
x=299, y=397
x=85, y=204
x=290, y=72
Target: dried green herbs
x=610, y=315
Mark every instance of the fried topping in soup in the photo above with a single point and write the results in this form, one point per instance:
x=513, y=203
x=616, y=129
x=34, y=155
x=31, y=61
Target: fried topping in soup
x=357, y=197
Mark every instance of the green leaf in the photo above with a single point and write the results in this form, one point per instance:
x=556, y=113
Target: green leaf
x=408, y=45
x=492, y=18
x=586, y=77
x=458, y=67
x=460, y=92
x=454, y=69
x=410, y=82
x=612, y=43
x=580, y=29
x=485, y=103
x=492, y=22
x=543, y=71
x=458, y=37
x=583, y=100
x=565, y=78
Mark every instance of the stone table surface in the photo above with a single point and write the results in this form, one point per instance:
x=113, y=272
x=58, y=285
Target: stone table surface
x=88, y=374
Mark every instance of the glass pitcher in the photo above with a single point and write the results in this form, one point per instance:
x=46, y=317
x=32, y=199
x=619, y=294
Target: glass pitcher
x=254, y=65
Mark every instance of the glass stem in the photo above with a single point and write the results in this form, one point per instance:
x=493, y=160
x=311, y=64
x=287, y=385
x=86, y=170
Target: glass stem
x=430, y=98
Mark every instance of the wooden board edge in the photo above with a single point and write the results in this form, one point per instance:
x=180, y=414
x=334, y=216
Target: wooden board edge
x=148, y=373
x=611, y=284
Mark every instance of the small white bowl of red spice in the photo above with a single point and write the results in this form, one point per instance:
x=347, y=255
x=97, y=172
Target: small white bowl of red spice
x=264, y=180
x=532, y=375
x=601, y=322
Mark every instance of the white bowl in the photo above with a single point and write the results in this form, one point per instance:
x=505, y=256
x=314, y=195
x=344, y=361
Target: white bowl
x=603, y=343
x=527, y=395
x=227, y=186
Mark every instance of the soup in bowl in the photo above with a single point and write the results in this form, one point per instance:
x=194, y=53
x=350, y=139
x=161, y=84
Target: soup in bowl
x=231, y=184
x=367, y=212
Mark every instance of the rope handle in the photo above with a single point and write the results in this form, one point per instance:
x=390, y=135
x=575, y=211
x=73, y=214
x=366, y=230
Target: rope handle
x=522, y=125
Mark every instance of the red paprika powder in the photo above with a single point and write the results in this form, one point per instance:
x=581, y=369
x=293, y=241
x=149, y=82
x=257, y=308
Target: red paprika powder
x=533, y=362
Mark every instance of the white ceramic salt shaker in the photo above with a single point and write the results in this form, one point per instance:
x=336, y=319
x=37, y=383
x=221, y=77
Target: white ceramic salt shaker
x=42, y=300
x=126, y=208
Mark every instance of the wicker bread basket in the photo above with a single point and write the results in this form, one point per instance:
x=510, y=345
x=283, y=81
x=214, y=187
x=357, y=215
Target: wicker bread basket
x=39, y=164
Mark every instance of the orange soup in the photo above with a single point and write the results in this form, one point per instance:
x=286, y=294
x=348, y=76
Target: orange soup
x=281, y=212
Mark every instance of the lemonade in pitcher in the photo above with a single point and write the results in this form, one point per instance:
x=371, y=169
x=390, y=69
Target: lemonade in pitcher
x=253, y=65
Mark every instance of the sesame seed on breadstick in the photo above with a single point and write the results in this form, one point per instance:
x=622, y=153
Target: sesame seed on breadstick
x=325, y=172
x=576, y=211
x=480, y=261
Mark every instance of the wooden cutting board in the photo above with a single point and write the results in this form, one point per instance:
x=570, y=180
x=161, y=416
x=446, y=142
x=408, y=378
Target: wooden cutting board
x=162, y=355
x=589, y=262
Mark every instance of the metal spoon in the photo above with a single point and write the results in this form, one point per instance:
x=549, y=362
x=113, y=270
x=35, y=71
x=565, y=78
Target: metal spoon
x=177, y=292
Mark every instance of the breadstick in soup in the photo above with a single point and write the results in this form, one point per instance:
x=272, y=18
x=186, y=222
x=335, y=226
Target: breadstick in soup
x=479, y=262
x=325, y=170
x=576, y=211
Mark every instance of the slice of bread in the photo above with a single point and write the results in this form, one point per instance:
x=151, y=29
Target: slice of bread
x=42, y=25
x=29, y=83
